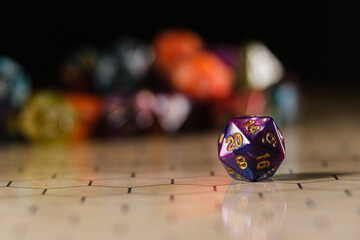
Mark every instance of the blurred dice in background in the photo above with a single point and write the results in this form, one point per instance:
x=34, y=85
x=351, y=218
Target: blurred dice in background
x=203, y=77
x=259, y=68
x=132, y=87
x=144, y=102
x=47, y=117
x=144, y=112
x=53, y=117
x=190, y=68
x=172, y=46
x=87, y=109
x=172, y=110
x=77, y=71
x=117, y=116
x=15, y=88
x=124, y=66
x=284, y=99
x=14, y=83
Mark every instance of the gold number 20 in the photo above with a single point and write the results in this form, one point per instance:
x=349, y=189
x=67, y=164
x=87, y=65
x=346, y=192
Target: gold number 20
x=233, y=142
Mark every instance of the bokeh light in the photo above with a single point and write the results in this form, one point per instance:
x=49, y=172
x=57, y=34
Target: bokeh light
x=133, y=87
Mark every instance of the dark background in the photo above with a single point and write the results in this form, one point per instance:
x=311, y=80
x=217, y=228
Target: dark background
x=318, y=40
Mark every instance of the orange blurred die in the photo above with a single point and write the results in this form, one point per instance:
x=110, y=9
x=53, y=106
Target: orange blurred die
x=87, y=108
x=203, y=77
x=174, y=45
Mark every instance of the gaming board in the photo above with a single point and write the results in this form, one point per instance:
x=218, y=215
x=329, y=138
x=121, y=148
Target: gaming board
x=174, y=187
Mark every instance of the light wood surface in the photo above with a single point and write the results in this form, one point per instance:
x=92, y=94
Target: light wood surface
x=175, y=188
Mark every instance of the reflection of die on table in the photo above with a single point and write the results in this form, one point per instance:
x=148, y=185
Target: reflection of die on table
x=247, y=214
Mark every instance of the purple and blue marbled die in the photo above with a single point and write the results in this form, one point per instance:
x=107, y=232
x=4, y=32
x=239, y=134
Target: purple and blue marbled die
x=251, y=147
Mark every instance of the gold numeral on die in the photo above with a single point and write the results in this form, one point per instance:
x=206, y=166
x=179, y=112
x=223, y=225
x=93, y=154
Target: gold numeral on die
x=250, y=127
x=230, y=170
x=270, y=138
x=270, y=172
x=241, y=162
x=233, y=142
x=263, y=164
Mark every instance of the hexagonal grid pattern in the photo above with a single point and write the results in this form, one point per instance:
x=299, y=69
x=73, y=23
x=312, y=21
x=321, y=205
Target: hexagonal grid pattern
x=176, y=188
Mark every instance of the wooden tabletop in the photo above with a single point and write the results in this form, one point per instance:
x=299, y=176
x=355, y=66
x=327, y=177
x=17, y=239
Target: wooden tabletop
x=175, y=188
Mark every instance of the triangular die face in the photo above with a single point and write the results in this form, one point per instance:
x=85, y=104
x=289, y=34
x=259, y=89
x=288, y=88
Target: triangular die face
x=231, y=139
x=259, y=158
x=251, y=127
x=271, y=139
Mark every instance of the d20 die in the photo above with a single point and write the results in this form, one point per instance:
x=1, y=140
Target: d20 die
x=251, y=147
